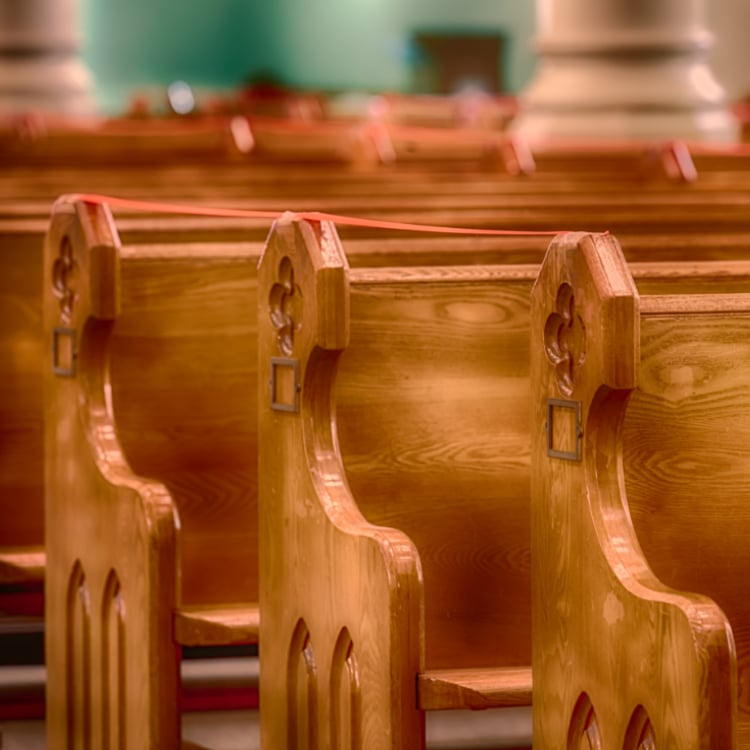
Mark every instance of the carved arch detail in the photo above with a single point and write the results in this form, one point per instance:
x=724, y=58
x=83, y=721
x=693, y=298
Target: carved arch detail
x=114, y=726
x=583, y=730
x=78, y=658
x=640, y=733
x=302, y=695
x=346, y=695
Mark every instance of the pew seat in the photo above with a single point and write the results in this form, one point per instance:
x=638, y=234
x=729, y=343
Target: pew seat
x=474, y=689
x=22, y=565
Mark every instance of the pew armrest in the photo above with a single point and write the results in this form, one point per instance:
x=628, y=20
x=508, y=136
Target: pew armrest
x=441, y=689
x=22, y=565
x=228, y=626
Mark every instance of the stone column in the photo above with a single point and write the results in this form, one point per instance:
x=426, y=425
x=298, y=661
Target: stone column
x=612, y=69
x=730, y=21
x=40, y=66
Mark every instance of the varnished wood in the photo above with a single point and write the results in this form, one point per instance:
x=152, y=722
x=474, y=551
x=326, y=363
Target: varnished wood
x=638, y=623
x=206, y=626
x=473, y=688
x=22, y=565
x=21, y=476
x=429, y=438
x=131, y=551
x=180, y=311
x=171, y=476
x=106, y=601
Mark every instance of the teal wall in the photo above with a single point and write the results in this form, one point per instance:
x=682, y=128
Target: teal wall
x=141, y=43
x=516, y=18
x=332, y=44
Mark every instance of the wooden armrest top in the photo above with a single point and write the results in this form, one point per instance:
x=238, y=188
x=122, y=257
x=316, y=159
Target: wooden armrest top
x=22, y=565
x=225, y=626
x=440, y=689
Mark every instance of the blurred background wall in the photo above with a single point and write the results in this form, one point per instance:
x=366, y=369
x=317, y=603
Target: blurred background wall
x=327, y=44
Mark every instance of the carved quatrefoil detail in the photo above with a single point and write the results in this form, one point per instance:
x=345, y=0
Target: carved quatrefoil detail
x=64, y=278
x=285, y=302
x=565, y=339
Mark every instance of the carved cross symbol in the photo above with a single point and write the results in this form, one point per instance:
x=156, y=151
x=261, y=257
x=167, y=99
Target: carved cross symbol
x=64, y=277
x=285, y=302
x=565, y=339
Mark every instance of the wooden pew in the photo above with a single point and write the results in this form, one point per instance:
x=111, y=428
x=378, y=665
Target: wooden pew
x=151, y=557
x=142, y=451
x=22, y=343
x=137, y=567
x=472, y=109
x=187, y=179
x=368, y=145
x=639, y=518
x=394, y=490
x=183, y=236
x=667, y=215
x=43, y=143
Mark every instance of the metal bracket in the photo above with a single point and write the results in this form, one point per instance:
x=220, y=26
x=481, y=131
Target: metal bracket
x=575, y=406
x=59, y=333
x=278, y=363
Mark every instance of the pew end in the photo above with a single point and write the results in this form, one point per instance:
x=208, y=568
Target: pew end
x=351, y=525
x=618, y=657
x=91, y=599
x=140, y=567
x=332, y=600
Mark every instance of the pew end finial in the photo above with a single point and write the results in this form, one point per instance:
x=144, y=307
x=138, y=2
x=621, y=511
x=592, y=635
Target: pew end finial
x=81, y=276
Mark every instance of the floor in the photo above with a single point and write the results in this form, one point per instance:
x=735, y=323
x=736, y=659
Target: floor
x=238, y=730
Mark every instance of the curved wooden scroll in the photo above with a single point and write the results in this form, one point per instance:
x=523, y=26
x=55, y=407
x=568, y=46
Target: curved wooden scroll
x=619, y=660
x=353, y=589
x=110, y=536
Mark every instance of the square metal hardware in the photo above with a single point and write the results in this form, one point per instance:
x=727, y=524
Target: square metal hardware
x=575, y=406
x=278, y=366
x=60, y=335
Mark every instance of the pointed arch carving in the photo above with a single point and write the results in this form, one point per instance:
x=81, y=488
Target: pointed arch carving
x=78, y=657
x=346, y=695
x=114, y=726
x=302, y=678
x=640, y=734
x=583, y=731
